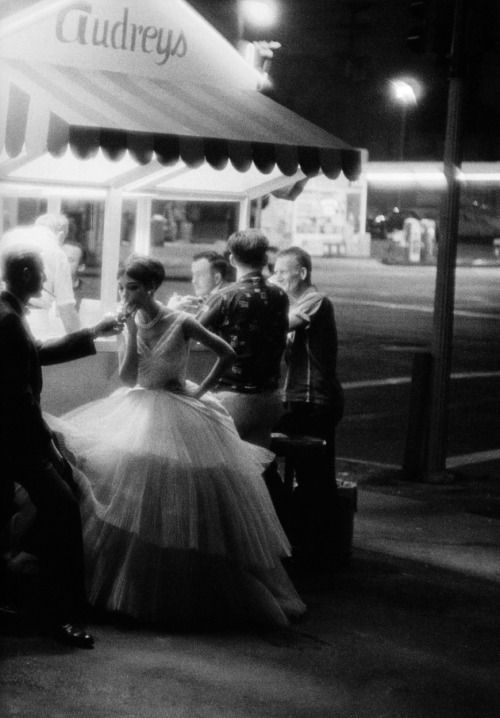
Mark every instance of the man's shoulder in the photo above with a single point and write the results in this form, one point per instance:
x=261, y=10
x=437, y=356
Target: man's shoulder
x=311, y=301
x=6, y=306
x=10, y=322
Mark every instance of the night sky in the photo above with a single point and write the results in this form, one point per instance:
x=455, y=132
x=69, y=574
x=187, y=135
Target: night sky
x=338, y=56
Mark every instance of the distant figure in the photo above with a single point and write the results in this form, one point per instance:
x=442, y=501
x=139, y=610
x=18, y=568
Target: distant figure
x=57, y=313
x=209, y=271
x=252, y=316
x=428, y=238
x=76, y=258
x=312, y=393
x=412, y=233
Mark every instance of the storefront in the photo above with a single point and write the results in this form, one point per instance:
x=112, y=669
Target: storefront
x=327, y=219
x=111, y=109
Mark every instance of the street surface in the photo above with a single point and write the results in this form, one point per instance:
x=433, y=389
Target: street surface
x=384, y=314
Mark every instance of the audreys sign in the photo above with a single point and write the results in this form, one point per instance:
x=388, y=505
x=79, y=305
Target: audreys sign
x=77, y=24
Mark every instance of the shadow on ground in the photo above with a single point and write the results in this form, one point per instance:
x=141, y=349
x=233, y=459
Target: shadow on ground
x=383, y=638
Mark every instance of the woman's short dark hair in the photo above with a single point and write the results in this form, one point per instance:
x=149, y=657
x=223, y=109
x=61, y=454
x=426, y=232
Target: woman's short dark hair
x=249, y=246
x=143, y=269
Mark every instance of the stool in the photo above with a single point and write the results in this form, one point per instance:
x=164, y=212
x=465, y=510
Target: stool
x=292, y=447
x=324, y=530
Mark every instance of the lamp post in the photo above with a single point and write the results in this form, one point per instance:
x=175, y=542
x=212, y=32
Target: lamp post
x=405, y=94
x=254, y=17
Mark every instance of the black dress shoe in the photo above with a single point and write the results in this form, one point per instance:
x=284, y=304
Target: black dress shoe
x=73, y=635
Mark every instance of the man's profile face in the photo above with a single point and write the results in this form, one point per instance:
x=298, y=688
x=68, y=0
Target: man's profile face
x=203, y=277
x=35, y=278
x=287, y=273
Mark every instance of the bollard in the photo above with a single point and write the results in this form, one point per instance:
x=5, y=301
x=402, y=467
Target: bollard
x=418, y=419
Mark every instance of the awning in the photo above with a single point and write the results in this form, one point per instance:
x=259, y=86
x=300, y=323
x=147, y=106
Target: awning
x=152, y=82
x=48, y=108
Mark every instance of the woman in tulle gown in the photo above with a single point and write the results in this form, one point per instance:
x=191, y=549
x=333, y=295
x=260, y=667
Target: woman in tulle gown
x=178, y=525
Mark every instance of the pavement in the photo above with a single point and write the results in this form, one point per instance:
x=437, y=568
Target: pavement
x=407, y=628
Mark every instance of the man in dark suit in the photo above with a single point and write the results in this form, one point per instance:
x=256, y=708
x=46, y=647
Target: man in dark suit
x=28, y=455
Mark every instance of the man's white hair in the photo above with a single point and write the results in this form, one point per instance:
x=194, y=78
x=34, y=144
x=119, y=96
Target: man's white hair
x=57, y=223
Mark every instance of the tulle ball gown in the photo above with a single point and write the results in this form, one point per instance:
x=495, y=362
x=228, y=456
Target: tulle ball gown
x=178, y=525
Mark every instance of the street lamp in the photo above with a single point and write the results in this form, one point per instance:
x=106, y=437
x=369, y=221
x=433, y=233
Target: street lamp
x=405, y=95
x=253, y=18
x=258, y=14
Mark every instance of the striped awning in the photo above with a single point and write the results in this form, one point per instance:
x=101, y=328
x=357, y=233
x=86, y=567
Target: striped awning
x=46, y=108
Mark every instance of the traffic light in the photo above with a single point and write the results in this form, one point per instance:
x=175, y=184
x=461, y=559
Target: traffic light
x=430, y=27
x=417, y=37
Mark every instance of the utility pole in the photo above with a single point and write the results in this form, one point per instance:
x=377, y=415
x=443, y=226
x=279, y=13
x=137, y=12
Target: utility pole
x=444, y=297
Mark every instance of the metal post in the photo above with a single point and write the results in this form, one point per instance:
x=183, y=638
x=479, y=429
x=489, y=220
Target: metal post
x=402, y=140
x=418, y=419
x=446, y=259
x=402, y=143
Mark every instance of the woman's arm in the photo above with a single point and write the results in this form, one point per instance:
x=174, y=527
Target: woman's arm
x=225, y=354
x=128, y=357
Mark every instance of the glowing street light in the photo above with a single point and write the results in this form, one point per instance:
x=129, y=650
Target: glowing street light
x=255, y=16
x=403, y=92
x=259, y=13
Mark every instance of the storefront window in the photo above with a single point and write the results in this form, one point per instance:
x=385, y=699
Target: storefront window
x=179, y=230
x=83, y=246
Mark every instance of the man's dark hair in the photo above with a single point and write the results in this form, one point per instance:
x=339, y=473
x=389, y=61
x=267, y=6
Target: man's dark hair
x=249, y=247
x=302, y=258
x=216, y=261
x=15, y=262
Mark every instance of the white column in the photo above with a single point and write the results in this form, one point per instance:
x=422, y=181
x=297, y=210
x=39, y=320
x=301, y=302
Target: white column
x=8, y=213
x=54, y=205
x=244, y=214
x=143, y=225
x=111, y=249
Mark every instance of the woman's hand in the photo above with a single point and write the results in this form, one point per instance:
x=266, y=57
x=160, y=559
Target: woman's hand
x=130, y=324
x=126, y=315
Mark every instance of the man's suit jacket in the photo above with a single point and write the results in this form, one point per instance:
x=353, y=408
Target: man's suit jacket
x=24, y=435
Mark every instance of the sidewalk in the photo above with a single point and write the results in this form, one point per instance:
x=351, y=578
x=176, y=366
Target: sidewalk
x=454, y=526
x=409, y=629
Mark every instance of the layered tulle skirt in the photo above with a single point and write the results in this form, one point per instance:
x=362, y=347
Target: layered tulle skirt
x=178, y=525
